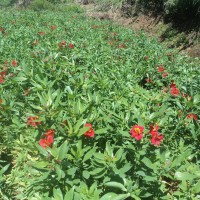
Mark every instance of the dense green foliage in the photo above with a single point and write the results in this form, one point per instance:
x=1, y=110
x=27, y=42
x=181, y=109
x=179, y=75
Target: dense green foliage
x=60, y=71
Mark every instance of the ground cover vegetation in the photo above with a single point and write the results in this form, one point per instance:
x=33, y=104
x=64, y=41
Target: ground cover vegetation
x=92, y=110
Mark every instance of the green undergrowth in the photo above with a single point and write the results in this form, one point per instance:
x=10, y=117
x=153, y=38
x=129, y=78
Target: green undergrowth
x=94, y=111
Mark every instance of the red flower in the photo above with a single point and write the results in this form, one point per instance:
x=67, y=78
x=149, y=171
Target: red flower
x=122, y=46
x=146, y=57
x=172, y=85
x=35, y=43
x=90, y=132
x=71, y=46
x=2, y=30
x=62, y=44
x=156, y=139
x=53, y=27
x=165, y=74
x=114, y=33
x=192, y=116
x=149, y=80
x=4, y=72
x=1, y=79
x=50, y=132
x=161, y=68
x=174, y=91
x=33, y=121
x=153, y=129
x=1, y=101
x=136, y=132
x=48, y=139
x=95, y=26
x=46, y=142
x=14, y=63
x=41, y=33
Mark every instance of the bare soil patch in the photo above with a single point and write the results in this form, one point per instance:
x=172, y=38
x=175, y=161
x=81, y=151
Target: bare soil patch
x=185, y=42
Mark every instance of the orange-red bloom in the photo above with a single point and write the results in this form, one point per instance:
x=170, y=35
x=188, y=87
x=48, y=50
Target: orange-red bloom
x=2, y=30
x=53, y=27
x=62, y=44
x=41, y=33
x=50, y=132
x=4, y=72
x=71, y=46
x=136, y=132
x=156, y=139
x=1, y=79
x=48, y=139
x=35, y=43
x=153, y=128
x=149, y=80
x=175, y=91
x=172, y=85
x=161, y=68
x=165, y=74
x=90, y=132
x=14, y=63
x=33, y=121
x=122, y=46
x=192, y=116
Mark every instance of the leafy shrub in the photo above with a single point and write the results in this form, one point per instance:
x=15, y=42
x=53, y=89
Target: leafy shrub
x=70, y=8
x=93, y=111
x=38, y=5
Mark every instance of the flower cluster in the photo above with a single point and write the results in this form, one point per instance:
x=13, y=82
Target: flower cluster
x=90, y=132
x=174, y=90
x=156, y=137
x=62, y=44
x=14, y=63
x=192, y=116
x=33, y=121
x=137, y=133
x=48, y=138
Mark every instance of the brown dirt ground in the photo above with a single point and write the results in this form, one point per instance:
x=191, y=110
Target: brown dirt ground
x=152, y=26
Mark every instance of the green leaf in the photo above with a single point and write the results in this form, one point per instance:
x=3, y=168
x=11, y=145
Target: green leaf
x=78, y=124
x=83, y=130
x=42, y=150
x=57, y=193
x=101, y=131
x=88, y=155
x=115, y=185
x=121, y=196
x=184, y=176
x=3, y=170
x=69, y=195
x=125, y=168
x=196, y=99
x=148, y=163
x=97, y=171
x=59, y=172
x=36, y=107
x=135, y=197
x=109, y=150
x=108, y=196
x=86, y=174
x=19, y=79
x=63, y=149
x=39, y=165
